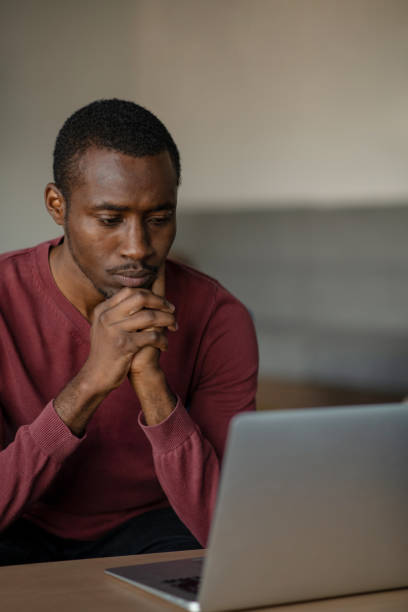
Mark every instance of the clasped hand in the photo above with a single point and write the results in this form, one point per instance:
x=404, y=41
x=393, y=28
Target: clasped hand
x=127, y=335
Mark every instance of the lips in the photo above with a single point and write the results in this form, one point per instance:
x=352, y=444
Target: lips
x=133, y=280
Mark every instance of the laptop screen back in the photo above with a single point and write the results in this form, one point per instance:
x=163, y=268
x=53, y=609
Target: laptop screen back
x=312, y=504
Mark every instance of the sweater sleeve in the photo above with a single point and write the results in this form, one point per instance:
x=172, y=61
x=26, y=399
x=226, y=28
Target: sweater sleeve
x=31, y=461
x=188, y=446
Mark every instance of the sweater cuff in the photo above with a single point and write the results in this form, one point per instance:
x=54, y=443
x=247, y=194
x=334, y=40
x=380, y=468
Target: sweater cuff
x=171, y=432
x=52, y=436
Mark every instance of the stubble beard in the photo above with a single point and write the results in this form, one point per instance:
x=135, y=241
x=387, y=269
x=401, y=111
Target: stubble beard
x=105, y=294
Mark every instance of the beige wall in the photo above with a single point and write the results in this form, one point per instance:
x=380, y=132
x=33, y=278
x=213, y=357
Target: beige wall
x=272, y=102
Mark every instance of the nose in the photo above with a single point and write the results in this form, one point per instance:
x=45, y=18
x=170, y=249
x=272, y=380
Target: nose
x=135, y=243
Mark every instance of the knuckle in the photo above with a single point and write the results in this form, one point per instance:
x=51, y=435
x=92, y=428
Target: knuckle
x=121, y=341
x=150, y=316
x=99, y=308
x=126, y=291
x=155, y=335
x=103, y=317
x=142, y=293
x=139, y=300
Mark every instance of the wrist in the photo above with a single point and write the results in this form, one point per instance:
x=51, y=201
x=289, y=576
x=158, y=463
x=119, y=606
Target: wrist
x=148, y=376
x=77, y=402
x=94, y=380
x=155, y=397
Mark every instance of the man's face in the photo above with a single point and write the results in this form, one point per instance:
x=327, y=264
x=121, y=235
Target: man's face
x=121, y=219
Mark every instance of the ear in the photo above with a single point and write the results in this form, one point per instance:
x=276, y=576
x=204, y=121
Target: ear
x=55, y=203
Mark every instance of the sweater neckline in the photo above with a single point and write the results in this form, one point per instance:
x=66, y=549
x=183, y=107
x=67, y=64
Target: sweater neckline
x=52, y=291
x=42, y=253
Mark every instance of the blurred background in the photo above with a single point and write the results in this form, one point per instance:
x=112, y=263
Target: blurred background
x=292, y=121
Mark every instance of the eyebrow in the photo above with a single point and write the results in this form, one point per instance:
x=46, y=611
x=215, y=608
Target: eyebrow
x=118, y=208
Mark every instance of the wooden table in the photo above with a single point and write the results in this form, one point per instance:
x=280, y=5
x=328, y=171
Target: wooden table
x=82, y=586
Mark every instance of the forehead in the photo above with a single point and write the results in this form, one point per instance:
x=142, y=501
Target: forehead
x=112, y=176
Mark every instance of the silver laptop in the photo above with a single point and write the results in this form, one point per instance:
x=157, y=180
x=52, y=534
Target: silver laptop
x=312, y=504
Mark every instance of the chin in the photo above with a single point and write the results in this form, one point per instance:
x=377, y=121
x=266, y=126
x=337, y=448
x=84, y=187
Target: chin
x=108, y=292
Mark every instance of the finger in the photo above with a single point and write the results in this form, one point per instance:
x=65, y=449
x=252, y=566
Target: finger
x=146, y=320
x=118, y=297
x=155, y=338
x=134, y=303
x=159, y=285
x=111, y=302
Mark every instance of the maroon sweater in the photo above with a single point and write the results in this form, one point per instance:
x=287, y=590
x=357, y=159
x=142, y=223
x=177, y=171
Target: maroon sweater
x=81, y=488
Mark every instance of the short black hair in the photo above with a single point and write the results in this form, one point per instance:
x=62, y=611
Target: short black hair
x=114, y=124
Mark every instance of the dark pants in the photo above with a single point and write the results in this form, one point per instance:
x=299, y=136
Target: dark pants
x=156, y=531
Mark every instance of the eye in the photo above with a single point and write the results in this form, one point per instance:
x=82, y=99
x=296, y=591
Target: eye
x=162, y=220
x=109, y=221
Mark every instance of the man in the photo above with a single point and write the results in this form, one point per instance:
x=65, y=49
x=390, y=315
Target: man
x=120, y=370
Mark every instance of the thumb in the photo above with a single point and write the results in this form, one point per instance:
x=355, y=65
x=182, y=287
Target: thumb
x=159, y=285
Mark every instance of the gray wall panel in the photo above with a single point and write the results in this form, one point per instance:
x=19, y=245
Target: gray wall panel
x=328, y=289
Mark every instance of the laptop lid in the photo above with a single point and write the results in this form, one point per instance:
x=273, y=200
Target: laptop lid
x=312, y=504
